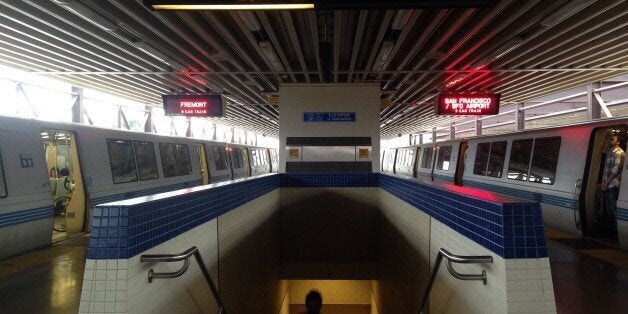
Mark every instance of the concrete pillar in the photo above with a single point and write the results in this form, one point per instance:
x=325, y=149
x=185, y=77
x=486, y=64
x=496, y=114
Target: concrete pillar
x=188, y=132
x=478, y=126
x=452, y=130
x=520, y=117
x=594, y=111
x=78, y=109
x=149, y=127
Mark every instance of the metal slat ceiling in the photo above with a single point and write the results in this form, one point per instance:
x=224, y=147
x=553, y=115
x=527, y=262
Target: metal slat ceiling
x=413, y=54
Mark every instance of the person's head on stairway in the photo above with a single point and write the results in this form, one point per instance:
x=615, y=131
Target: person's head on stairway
x=313, y=302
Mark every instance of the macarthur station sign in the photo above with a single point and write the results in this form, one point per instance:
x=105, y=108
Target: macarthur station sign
x=467, y=104
x=194, y=105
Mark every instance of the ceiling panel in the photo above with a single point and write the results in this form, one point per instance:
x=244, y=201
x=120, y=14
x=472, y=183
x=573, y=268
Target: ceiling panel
x=528, y=49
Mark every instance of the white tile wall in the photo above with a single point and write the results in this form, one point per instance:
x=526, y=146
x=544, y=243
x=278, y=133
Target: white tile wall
x=513, y=286
x=404, y=256
x=529, y=286
x=121, y=286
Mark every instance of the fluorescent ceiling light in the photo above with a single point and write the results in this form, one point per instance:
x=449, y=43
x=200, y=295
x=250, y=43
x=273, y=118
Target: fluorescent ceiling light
x=202, y=7
x=507, y=47
x=152, y=51
x=565, y=12
x=88, y=14
x=270, y=53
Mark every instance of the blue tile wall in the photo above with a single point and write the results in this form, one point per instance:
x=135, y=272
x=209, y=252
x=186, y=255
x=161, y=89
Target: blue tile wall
x=622, y=214
x=120, y=232
x=511, y=230
x=317, y=180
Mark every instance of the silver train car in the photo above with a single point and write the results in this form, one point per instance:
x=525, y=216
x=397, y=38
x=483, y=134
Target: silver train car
x=559, y=167
x=52, y=174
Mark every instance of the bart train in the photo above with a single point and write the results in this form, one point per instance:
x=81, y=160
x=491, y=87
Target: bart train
x=559, y=167
x=104, y=165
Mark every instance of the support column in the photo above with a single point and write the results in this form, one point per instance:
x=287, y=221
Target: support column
x=78, y=109
x=188, y=121
x=122, y=121
x=148, y=125
x=452, y=131
x=520, y=117
x=214, y=132
x=420, y=138
x=478, y=126
x=434, y=135
x=593, y=106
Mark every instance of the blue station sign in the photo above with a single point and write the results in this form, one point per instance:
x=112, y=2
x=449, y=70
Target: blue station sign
x=329, y=117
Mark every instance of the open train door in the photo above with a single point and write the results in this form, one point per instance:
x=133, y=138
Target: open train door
x=596, y=220
x=462, y=153
x=66, y=183
x=200, y=149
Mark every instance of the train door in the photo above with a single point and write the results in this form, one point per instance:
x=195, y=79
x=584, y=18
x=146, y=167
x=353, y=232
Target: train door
x=415, y=166
x=274, y=161
x=462, y=153
x=200, y=149
x=66, y=183
x=595, y=218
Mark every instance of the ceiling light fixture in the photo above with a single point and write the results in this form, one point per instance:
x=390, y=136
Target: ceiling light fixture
x=565, y=12
x=384, y=53
x=193, y=5
x=250, y=20
x=456, y=79
x=270, y=53
x=87, y=14
x=152, y=51
x=311, y=4
x=498, y=53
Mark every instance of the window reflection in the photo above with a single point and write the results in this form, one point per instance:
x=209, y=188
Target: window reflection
x=520, y=159
x=122, y=161
x=444, y=156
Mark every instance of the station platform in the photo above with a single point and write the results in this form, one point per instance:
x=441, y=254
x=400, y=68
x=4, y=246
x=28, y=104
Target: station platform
x=588, y=277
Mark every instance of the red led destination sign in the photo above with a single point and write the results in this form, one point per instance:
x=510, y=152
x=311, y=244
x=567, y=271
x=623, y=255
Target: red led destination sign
x=194, y=105
x=467, y=104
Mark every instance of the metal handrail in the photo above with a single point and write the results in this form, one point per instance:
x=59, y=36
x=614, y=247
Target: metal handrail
x=185, y=257
x=454, y=259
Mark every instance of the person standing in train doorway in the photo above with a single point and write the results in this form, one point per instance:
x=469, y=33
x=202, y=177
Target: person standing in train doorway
x=612, y=174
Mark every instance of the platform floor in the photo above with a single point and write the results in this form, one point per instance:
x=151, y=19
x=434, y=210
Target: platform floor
x=589, y=277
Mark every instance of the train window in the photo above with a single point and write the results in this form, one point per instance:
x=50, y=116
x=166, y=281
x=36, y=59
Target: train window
x=234, y=156
x=146, y=161
x=253, y=157
x=122, y=161
x=3, y=184
x=239, y=152
x=401, y=156
x=496, y=159
x=220, y=157
x=168, y=159
x=444, y=156
x=520, y=159
x=183, y=159
x=481, y=158
x=544, y=160
x=409, y=158
x=428, y=155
